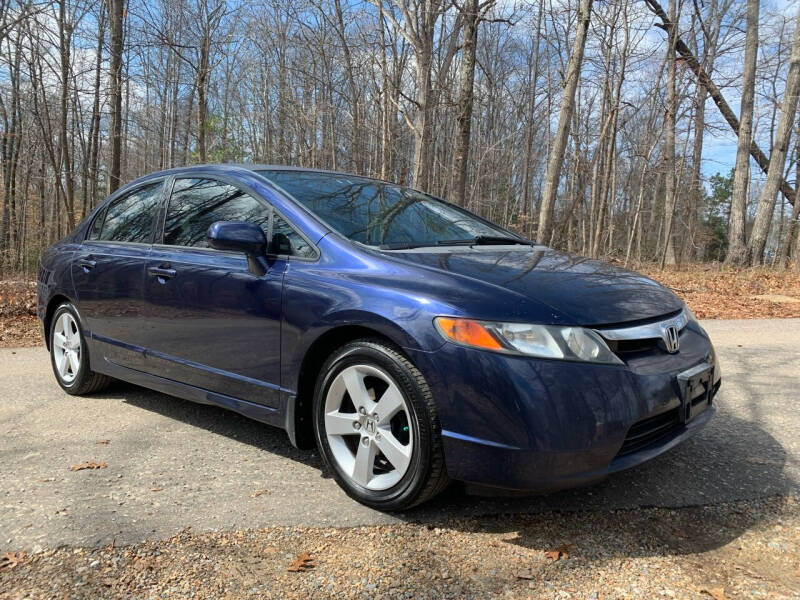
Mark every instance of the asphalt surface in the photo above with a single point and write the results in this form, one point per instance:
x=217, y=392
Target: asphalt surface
x=173, y=464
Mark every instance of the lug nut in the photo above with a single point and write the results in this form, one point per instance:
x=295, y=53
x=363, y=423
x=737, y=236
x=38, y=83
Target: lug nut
x=377, y=436
x=362, y=411
x=375, y=416
x=365, y=441
x=356, y=425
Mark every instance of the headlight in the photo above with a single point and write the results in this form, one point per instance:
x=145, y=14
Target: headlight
x=544, y=341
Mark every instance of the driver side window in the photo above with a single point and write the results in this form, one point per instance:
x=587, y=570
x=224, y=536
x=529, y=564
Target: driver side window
x=197, y=203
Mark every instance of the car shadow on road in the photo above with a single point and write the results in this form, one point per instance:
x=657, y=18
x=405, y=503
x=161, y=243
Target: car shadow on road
x=215, y=420
x=697, y=484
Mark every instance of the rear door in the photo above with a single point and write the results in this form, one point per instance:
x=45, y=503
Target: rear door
x=108, y=274
x=211, y=323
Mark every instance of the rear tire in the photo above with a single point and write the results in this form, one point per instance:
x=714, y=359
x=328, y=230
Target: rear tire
x=390, y=461
x=69, y=355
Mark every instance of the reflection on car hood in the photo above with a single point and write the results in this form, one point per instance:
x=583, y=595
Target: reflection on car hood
x=588, y=292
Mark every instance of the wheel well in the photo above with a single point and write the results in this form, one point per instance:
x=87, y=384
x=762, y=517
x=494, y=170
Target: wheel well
x=54, y=303
x=316, y=355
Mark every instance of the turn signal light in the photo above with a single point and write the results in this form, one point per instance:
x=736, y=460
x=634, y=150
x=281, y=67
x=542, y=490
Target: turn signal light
x=468, y=332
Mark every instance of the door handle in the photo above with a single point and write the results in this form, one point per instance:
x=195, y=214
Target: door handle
x=87, y=264
x=161, y=272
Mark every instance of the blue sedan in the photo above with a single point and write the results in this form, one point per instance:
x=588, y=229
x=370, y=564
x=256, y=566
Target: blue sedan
x=411, y=341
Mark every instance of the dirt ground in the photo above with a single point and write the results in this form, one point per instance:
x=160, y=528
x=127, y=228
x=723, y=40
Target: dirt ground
x=711, y=291
x=740, y=550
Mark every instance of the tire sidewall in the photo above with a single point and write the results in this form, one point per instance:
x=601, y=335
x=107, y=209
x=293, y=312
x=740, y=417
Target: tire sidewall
x=375, y=354
x=83, y=370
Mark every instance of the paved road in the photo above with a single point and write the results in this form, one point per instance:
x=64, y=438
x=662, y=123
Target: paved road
x=173, y=464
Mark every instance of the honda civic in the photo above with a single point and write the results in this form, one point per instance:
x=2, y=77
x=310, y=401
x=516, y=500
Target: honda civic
x=412, y=342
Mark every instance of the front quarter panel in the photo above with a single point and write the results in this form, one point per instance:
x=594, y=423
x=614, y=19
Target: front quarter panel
x=346, y=291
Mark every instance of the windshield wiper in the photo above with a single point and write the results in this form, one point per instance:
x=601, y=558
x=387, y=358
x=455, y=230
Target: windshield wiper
x=478, y=240
x=486, y=240
x=406, y=245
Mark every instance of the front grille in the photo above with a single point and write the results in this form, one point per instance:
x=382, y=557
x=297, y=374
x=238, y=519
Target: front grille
x=628, y=341
x=649, y=431
x=623, y=347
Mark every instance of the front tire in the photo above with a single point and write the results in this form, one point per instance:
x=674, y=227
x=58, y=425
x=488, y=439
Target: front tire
x=69, y=356
x=377, y=428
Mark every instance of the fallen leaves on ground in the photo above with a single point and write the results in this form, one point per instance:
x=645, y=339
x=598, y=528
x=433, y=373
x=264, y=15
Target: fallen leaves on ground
x=20, y=330
x=156, y=489
x=104, y=442
x=757, y=460
x=17, y=297
x=258, y=493
x=716, y=593
x=9, y=560
x=680, y=533
x=88, y=465
x=559, y=553
x=714, y=291
x=303, y=562
x=524, y=574
x=18, y=323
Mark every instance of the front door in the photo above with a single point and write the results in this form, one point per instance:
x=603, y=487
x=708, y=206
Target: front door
x=211, y=323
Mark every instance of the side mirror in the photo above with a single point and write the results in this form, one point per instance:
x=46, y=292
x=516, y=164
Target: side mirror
x=241, y=237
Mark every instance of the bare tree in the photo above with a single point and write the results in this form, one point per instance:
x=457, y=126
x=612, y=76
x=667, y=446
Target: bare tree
x=777, y=159
x=737, y=248
x=564, y=119
x=668, y=251
x=116, y=9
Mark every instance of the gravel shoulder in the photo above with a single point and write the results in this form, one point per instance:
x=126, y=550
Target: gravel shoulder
x=736, y=550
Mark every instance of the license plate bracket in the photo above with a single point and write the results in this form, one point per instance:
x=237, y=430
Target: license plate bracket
x=696, y=386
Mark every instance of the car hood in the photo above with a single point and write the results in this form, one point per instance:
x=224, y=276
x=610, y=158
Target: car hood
x=585, y=292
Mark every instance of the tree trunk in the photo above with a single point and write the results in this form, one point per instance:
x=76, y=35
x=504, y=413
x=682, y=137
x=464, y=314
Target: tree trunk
x=556, y=160
x=668, y=251
x=94, y=131
x=423, y=126
x=526, y=207
x=737, y=250
x=464, y=101
x=115, y=50
x=777, y=159
x=791, y=227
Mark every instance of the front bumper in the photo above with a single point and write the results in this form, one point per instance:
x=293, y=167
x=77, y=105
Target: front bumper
x=532, y=424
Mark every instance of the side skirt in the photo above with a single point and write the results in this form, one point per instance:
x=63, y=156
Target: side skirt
x=251, y=410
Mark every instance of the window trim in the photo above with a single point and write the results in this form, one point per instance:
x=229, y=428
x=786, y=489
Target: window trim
x=102, y=211
x=99, y=217
x=158, y=239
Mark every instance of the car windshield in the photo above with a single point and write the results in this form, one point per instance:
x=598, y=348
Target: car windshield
x=385, y=215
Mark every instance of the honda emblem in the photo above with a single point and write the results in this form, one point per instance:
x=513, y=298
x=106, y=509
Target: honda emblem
x=671, y=339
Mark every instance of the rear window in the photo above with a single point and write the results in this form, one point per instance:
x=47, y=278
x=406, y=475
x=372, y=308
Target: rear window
x=129, y=218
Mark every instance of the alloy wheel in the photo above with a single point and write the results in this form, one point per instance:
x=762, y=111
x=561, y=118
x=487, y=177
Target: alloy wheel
x=367, y=425
x=67, y=347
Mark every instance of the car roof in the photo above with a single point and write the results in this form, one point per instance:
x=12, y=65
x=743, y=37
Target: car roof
x=253, y=167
